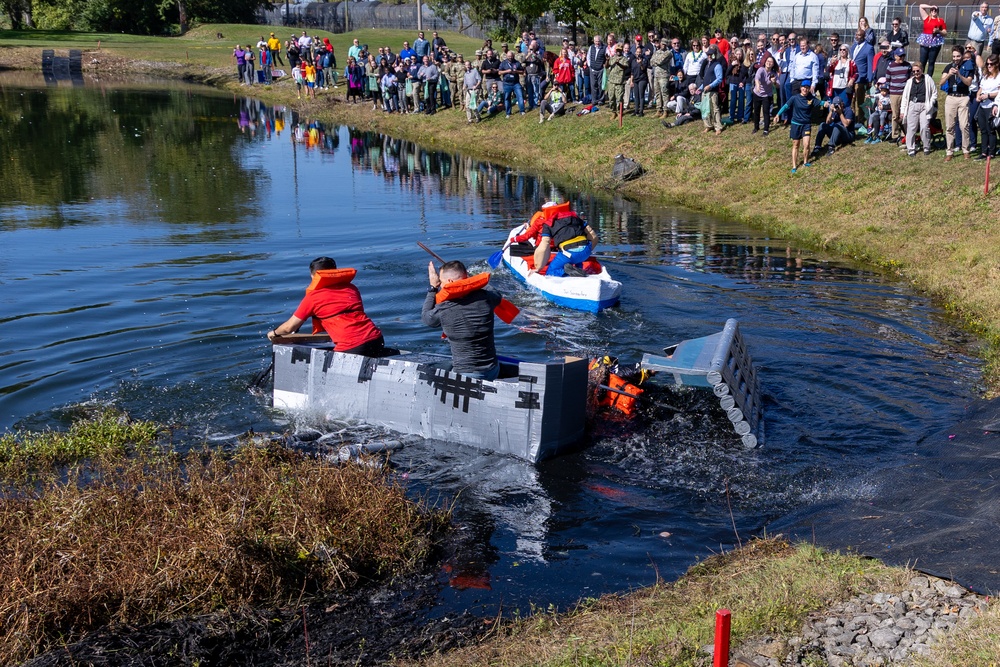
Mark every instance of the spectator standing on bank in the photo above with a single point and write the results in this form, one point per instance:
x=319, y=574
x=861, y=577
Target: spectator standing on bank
x=863, y=55
x=421, y=47
x=429, y=75
x=618, y=70
x=898, y=37
x=471, y=85
x=931, y=39
x=661, y=64
x=897, y=74
x=534, y=74
x=711, y=81
x=764, y=80
x=596, y=58
x=510, y=74
x=989, y=89
x=918, y=107
x=739, y=76
x=240, y=57
x=955, y=80
x=981, y=27
x=640, y=81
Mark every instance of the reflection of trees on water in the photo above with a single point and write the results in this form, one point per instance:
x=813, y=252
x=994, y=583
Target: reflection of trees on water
x=160, y=155
x=505, y=197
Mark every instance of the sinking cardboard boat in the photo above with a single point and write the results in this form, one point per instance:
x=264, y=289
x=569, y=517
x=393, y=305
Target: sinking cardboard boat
x=534, y=411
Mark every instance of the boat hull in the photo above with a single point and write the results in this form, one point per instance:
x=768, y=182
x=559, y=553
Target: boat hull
x=537, y=413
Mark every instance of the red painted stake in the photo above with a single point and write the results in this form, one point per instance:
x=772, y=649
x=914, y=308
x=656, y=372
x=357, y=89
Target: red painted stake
x=986, y=190
x=723, y=619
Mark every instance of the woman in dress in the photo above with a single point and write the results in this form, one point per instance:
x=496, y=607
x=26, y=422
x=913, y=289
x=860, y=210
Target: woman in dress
x=355, y=75
x=932, y=37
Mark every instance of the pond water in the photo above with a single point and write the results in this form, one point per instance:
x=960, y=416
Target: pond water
x=150, y=238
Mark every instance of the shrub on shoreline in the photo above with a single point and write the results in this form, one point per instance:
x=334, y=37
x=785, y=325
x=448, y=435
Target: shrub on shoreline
x=157, y=535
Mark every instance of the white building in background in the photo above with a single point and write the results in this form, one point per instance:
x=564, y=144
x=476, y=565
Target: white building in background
x=825, y=16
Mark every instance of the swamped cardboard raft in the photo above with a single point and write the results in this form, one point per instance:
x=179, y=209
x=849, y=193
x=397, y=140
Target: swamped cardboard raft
x=534, y=410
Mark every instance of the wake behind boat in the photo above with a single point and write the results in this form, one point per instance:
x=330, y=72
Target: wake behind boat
x=593, y=291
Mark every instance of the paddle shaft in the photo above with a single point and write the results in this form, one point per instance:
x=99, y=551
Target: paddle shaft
x=430, y=252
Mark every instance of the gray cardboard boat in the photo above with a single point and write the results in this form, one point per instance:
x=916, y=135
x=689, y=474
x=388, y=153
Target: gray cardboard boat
x=534, y=410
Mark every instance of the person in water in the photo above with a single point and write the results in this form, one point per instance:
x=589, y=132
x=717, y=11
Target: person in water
x=335, y=306
x=463, y=308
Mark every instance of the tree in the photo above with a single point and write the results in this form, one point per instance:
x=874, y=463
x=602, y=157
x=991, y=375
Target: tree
x=695, y=17
x=450, y=9
x=571, y=12
x=15, y=11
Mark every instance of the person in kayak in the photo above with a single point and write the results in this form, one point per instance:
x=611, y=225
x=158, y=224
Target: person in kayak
x=335, y=306
x=533, y=230
x=572, y=238
x=463, y=308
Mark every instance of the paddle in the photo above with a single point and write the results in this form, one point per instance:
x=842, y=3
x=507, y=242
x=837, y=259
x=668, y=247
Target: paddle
x=506, y=311
x=496, y=258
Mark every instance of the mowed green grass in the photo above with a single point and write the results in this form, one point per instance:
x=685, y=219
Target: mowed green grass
x=201, y=45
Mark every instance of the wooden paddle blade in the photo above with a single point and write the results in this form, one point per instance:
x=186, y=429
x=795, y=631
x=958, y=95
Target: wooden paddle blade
x=506, y=311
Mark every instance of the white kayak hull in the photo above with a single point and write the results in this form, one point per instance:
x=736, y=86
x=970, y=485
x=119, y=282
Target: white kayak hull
x=591, y=293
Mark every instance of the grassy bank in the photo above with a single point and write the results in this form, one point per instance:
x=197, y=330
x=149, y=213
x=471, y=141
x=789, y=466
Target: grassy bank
x=921, y=219
x=769, y=586
x=131, y=533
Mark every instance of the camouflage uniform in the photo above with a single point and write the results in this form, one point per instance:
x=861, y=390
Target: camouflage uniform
x=617, y=69
x=456, y=73
x=659, y=65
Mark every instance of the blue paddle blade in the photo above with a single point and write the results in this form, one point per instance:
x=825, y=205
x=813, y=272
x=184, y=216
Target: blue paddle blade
x=495, y=259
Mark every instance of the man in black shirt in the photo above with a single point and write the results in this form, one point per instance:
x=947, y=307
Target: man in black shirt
x=597, y=55
x=466, y=317
x=957, y=76
x=490, y=69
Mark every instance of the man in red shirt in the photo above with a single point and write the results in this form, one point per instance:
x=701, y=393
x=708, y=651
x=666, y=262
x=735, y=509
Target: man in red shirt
x=722, y=43
x=335, y=306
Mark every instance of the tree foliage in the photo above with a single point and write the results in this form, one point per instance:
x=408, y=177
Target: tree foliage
x=508, y=17
x=151, y=17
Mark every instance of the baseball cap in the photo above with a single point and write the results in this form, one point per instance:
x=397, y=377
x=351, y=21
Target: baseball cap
x=899, y=52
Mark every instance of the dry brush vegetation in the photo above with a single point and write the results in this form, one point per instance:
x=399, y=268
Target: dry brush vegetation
x=148, y=534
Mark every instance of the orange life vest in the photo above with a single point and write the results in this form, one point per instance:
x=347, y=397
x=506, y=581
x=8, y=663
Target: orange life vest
x=324, y=278
x=621, y=402
x=459, y=288
x=506, y=311
x=331, y=278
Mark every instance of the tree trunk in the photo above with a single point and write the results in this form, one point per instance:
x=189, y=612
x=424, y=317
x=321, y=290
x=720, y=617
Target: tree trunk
x=183, y=15
x=29, y=20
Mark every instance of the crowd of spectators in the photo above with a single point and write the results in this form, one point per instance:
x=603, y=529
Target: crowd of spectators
x=859, y=85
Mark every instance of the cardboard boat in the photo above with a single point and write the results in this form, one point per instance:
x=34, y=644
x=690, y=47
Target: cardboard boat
x=592, y=293
x=534, y=410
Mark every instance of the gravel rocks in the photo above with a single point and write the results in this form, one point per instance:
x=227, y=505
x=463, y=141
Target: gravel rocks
x=872, y=630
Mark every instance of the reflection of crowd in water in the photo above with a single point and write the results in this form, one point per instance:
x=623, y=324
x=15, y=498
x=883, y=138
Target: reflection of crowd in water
x=254, y=115
x=497, y=191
